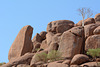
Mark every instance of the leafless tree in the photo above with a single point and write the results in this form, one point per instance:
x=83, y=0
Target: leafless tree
x=85, y=12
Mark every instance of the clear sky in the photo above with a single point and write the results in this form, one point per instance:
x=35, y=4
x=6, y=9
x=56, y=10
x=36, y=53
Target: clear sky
x=14, y=14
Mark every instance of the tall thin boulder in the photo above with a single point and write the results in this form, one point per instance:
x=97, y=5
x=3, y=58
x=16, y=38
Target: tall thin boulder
x=22, y=43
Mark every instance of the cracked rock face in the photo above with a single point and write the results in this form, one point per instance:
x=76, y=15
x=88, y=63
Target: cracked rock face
x=71, y=42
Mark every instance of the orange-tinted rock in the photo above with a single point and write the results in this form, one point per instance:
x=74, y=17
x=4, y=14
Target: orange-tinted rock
x=79, y=59
x=67, y=61
x=70, y=43
x=37, y=41
x=97, y=17
x=49, y=36
x=78, y=31
x=43, y=35
x=22, y=43
x=86, y=22
x=92, y=42
x=97, y=30
x=90, y=64
x=75, y=66
x=53, y=46
x=36, y=44
x=55, y=64
x=56, y=38
x=23, y=65
x=59, y=26
x=88, y=29
x=44, y=44
x=37, y=38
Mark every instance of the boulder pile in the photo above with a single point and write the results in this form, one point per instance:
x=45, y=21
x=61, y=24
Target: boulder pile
x=72, y=40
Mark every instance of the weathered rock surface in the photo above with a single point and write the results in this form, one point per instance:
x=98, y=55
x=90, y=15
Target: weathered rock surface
x=86, y=22
x=88, y=29
x=89, y=64
x=71, y=43
x=97, y=17
x=25, y=59
x=75, y=66
x=22, y=44
x=79, y=59
x=67, y=61
x=49, y=36
x=55, y=64
x=53, y=46
x=23, y=65
x=59, y=26
x=37, y=38
x=43, y=35
x=97, y=30
x=44, y=44
x=56, y=38
x=92, y=42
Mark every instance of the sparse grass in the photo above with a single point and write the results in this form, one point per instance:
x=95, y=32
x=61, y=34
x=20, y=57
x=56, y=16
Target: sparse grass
x=41, y=57
x=52, y=56
x=94, y=53
x=2, y=63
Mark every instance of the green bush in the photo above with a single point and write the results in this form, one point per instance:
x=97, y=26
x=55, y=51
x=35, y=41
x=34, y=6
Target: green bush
x=54, y=55
x=94, y=52
x=41, y=57
x=2, y=63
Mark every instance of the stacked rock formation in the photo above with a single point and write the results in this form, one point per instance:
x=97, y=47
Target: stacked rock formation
x=72, y=40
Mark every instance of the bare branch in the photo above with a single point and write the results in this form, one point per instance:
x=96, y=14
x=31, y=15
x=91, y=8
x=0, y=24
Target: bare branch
x=85, y=12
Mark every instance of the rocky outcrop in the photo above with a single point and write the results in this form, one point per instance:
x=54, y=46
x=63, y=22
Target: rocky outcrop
x=59, y=26
x=71, y=42
x=22, y=43
x=64, y=38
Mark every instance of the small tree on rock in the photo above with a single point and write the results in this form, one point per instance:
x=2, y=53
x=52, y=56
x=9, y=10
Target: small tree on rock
x=85, y=12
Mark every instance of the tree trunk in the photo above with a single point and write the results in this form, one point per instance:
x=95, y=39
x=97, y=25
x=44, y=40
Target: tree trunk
x=83, y=22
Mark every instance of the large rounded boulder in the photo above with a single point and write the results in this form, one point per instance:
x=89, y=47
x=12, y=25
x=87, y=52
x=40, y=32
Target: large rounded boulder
x=22, y=43
x=97, y=17
x=59, y=26
x=92, y=42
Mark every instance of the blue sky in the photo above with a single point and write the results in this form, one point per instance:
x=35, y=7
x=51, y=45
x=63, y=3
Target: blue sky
x=14, y=14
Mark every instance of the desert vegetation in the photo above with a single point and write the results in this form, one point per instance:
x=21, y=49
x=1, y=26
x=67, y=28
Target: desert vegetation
x=2, y=63
x=51, y=56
